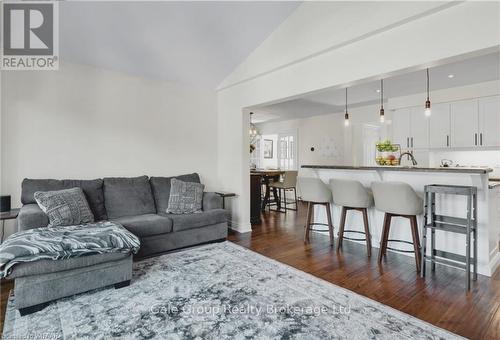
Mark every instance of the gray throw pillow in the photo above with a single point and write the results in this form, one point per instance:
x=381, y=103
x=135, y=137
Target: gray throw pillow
x=65, y=207
x=185, y=197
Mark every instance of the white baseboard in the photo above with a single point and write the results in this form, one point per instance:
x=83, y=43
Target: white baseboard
x=239, y=227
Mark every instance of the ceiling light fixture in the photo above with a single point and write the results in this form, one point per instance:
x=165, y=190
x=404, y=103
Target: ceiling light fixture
x=382, y=112
x=377, y=90
x=451, y=76
x=427, y=102
x=253, y=130
x=346, y=116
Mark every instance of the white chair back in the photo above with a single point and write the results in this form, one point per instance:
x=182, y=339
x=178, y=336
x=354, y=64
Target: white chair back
x=314, y=190
x=397, y=198
x=350, y=193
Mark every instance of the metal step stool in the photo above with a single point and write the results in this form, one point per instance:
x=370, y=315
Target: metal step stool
x=464, y=226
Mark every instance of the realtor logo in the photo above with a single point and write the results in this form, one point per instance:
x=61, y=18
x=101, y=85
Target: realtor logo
x=30, y=36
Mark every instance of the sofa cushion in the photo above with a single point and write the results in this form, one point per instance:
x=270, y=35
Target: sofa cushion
x=146, y=225
x=128, y=196
x=161, y=189
x=93, y=190
x=65, y=207
x=51, y=266
x=198, y=220
x=185, y=197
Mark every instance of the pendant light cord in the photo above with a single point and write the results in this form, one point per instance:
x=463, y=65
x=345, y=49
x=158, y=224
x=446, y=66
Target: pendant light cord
x=346, y=100
x=382, y=93
x=427, y=84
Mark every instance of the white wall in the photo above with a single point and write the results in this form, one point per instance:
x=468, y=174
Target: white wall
x=320, y=132
x=85, y=122
x=293, y=61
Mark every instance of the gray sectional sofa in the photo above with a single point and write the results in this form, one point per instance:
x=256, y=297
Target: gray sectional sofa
x=139, y=204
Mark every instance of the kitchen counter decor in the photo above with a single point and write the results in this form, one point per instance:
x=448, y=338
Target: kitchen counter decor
x=387, y=153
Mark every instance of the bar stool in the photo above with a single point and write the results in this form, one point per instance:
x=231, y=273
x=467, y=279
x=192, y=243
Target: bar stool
x=352, y=195
x=465, y=226
x=398, y=199
x=315, y=192
x=289, y=183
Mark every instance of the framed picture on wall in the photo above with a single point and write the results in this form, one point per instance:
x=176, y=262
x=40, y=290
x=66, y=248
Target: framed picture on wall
x=268, y=148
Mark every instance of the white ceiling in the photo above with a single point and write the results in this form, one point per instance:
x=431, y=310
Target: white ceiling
x=190, y=42
x=470, y=71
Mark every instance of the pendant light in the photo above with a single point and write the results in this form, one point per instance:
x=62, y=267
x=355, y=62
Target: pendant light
x=253, y=130
x=346, y=116
x=427, y=102
x=382, y=113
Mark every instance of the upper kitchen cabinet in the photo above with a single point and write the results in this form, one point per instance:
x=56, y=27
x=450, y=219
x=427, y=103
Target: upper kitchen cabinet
x=419, y=129
x=439, y=126
x=401, y=128
x=410, y=128
x=464, y=124
x=489, y=121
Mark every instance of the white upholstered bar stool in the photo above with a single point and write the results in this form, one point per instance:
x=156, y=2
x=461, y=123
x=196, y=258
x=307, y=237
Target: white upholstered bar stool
x=398, y=199
x=352, y=195
x=315, y=192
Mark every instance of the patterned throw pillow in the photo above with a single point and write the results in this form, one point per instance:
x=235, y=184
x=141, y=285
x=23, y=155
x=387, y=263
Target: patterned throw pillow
x=65, y=207
x=185, y=197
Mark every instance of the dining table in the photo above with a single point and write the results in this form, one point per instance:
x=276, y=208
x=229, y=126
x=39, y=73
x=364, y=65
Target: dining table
x=269, y=175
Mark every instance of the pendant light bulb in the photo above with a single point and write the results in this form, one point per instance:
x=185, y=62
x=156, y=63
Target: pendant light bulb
x=428, y=111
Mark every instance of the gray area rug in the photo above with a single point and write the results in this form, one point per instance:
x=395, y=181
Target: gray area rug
x=218, y=291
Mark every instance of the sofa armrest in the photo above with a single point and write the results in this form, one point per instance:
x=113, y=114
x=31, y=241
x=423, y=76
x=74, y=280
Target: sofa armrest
x=211, y=201
x=31, y=216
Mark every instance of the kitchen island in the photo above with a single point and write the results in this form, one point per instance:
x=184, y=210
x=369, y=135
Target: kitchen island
x=488, y=200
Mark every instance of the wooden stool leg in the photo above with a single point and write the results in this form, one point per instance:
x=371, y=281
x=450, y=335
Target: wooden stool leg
x=308, y=222
x=330, y=223
x=367, y=232
x=384, y=237
x=416, y=241
x=389, y=221
x=341, y=228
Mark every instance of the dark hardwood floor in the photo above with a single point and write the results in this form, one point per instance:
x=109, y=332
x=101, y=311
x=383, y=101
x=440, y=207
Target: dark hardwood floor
x=440, y=299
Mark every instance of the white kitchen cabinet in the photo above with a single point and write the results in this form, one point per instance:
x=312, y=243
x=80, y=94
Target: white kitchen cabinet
x=464, y=123
x=401, y=128
x=439, y=126
x=419, y=129
x=489, y=121
x=410, y=128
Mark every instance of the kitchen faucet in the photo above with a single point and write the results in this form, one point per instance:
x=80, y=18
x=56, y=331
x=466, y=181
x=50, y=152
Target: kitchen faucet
x=409, y=154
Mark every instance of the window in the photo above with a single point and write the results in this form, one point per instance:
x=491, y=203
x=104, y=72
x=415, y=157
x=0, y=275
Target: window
x=287, y=154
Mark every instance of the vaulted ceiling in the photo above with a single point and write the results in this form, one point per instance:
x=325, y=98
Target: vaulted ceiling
x=189, y=42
